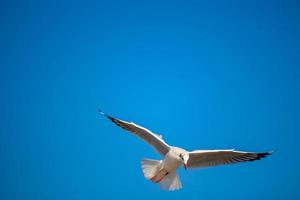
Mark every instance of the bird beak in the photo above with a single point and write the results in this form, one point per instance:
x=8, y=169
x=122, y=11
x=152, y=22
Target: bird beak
x=185, y=166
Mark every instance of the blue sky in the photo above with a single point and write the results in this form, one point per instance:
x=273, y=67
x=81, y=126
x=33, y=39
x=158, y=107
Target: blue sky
x=205, y=75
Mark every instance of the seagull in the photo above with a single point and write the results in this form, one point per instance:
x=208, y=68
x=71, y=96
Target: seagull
x=163, y=171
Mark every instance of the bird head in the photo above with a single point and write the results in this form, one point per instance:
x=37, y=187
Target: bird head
x=184, y=157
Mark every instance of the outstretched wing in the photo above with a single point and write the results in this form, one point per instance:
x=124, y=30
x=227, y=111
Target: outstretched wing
x=153, y=139
x=209, y=158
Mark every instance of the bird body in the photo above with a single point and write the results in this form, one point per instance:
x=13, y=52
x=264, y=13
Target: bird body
x=172, y=160
x=164, y=171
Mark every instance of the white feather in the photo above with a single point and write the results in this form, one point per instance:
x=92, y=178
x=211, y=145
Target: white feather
x=150, y=167
x=171, y=182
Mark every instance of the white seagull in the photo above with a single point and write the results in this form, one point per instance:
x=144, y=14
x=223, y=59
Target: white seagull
x=164, y=171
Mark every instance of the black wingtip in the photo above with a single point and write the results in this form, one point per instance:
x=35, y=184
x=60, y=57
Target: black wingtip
x=269, y=153
x=264, y=154
x=101, y=112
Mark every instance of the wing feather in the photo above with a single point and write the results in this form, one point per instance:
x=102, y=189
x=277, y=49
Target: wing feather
x=153, y=139
x=209, y=158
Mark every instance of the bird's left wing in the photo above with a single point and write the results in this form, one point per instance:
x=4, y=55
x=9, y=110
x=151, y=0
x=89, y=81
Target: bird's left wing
x=209, y=158
x=153, y=139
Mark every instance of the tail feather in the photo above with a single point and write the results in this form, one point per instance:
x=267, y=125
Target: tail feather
x=171, y=182
x=150, y=167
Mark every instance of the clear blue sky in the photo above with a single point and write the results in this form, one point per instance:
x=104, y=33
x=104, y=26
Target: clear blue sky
x=205, y=75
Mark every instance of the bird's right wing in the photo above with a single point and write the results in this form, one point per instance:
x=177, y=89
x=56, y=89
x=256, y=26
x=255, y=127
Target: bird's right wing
x=209, y=158
x=153, y=139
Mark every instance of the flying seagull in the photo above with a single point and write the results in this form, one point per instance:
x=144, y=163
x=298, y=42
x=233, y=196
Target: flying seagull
x=163, y=171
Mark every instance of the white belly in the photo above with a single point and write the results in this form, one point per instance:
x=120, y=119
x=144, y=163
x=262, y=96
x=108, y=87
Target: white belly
x=171, y=163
